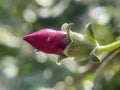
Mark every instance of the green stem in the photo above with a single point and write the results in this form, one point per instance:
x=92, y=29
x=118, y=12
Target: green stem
x=109, y=47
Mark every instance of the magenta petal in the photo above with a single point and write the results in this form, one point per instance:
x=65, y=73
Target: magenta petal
x=48, y=40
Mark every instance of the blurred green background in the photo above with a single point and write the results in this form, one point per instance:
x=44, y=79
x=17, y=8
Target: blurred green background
x=21, y=68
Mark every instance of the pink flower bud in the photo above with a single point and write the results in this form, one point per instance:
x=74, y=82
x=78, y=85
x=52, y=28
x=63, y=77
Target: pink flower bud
x=48, y=41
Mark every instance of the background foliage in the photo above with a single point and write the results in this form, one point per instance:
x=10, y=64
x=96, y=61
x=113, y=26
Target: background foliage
x=23, y=69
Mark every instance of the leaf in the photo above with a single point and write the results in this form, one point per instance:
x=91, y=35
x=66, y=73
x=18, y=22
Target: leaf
x=89, y=33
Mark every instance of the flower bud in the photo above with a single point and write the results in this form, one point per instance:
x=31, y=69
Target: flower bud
x=64, y=43
x=48, y=40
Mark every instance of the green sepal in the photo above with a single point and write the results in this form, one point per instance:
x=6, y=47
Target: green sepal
x=79, y=59
x=60, y=58
x=89, y=33
x=93, y=55
x=78, y=46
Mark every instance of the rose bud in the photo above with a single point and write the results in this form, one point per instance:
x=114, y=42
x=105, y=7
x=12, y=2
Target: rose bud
x=64, y=43
x=48, y=40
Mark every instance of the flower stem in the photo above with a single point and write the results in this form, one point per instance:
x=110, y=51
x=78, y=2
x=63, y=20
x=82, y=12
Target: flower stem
x=109, y=47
